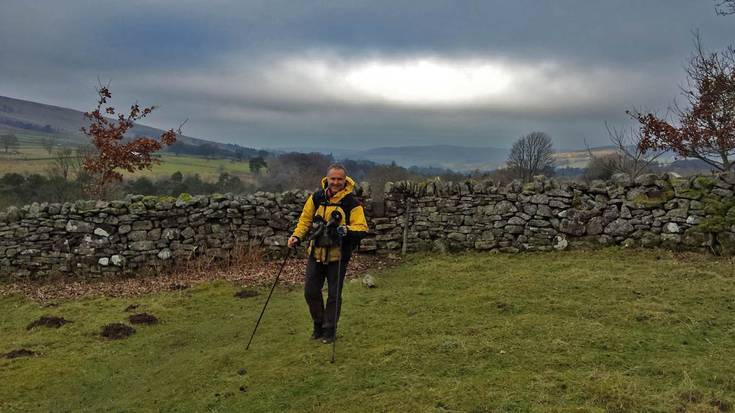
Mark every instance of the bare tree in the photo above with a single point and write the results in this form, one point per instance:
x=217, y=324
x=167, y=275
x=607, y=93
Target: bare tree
x=600, y=167
x=48, y=144
x=725, y=7
x=295, y=171
x=532, y=155
x=9, y=141
x=256, y=164
x=83, y=152
x=60, y=164
x=629, y=157
x=381, y=174
x=67, y=164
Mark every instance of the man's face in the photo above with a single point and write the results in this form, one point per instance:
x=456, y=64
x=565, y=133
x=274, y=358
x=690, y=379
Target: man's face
x=336, y=180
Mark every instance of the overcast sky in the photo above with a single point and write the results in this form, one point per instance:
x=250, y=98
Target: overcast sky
x=361, y=74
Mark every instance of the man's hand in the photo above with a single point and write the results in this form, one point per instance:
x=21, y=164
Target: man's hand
x=342, y=230
x=293, y=241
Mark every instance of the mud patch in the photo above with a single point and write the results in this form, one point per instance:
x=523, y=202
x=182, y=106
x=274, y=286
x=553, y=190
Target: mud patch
x=506, y=308
x=48, y=321
x=143, y=318
x=116, y=331
x=642, y=317
x=694, y=400
x=246, y=293
x=721, y=405
x=21, y=352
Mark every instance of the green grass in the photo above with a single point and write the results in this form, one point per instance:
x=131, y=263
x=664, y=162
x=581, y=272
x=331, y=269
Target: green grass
x=208, y=169
x=26, y=158
x=32, y=158
x=611, y=330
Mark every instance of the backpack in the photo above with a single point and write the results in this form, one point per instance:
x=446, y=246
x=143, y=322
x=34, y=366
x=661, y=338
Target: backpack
x=347, y=203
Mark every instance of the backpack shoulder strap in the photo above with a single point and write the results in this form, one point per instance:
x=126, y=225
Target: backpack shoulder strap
x=347, y=203
x=318, y=197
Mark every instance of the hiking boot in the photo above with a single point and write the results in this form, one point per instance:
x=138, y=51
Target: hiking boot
x=328, y=335
x=318, y=332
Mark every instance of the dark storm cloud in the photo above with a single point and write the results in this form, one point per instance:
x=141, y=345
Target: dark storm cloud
x=361, y=74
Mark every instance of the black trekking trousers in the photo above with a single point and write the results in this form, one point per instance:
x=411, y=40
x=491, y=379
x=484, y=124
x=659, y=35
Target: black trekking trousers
x=316, y=273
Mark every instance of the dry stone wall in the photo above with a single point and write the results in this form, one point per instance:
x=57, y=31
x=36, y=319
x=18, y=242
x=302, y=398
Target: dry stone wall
x=668, y=211
x=98, y=238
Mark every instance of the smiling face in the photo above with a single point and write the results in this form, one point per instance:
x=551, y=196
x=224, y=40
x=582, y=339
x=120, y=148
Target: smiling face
x=336, y=179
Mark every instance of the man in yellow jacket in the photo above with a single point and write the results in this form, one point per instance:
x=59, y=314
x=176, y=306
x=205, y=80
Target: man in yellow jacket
x=339, y=222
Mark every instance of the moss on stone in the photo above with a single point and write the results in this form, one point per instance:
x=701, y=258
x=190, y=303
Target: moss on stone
x=730, y=214
x=715, y=206
x=720, y=215
x=712, y=224
x=84, y=205
x=689, y=193
x=185, y=197
x=679, y=182
x=704, y=182
x=645, y=201
x=166, y=198
x=576, y=201
x=134, y=206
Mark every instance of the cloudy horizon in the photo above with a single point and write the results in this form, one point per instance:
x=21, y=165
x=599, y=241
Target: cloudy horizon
x=358, y=75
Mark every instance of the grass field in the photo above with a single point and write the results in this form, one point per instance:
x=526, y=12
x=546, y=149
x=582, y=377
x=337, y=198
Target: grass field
x=208, y=169
x=578, y=159
x=603, y=331
x=32, y=158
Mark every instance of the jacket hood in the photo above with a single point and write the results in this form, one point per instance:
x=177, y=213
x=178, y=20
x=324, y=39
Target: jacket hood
x=349, y=186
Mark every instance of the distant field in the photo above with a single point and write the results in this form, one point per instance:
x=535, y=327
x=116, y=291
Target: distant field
x=208, y=169
x=567, y=159
x=25, y=162
x=35, y=139
x=31, y=158
x=578, y=159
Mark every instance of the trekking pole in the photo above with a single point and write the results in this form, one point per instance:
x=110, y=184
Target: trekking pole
x=339, y=293
x=288, y=252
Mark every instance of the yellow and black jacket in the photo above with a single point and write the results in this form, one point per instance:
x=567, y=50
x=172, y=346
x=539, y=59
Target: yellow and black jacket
x=352, y=215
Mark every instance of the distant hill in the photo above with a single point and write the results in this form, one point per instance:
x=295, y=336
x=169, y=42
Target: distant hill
x=22, y=116
x=456, y=158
